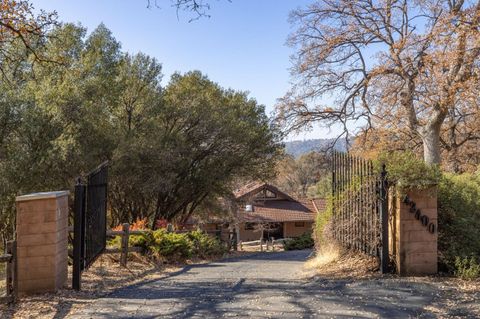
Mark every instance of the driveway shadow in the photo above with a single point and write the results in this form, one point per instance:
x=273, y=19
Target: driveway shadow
x=230, y=288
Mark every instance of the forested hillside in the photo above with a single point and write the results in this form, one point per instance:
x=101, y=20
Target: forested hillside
x=298, y=148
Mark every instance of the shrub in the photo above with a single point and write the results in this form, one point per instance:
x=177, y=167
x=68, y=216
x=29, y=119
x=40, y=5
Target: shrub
x=171, y=245
x=407, y=171
x=467, y=268
x=303, y=242
x=459, y=224
x=204, y=245
x=323, y=224
x=144, y=240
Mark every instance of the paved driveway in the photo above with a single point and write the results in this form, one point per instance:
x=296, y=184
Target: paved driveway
x=265, y=285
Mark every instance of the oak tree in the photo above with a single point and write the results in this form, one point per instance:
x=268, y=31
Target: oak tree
x=400, y=65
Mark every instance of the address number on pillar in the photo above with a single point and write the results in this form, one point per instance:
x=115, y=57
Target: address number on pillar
x=430, y=226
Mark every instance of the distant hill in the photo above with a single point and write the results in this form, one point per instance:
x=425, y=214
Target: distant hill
x=297, y=148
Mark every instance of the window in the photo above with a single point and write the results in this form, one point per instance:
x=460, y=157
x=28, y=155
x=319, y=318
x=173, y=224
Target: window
x=249, y=226
x=269, y=194
x=265, y=193
x=299, y=224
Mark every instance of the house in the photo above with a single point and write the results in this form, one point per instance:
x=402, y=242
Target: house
x=262, y=208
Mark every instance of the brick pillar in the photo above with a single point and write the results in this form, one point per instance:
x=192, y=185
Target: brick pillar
x=415, y=235
x=42, y=235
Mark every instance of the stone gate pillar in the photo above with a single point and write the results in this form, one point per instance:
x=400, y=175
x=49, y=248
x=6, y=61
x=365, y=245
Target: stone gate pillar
x=42, y=236
x=415, y=231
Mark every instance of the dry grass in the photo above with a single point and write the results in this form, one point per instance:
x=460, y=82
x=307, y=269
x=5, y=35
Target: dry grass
x=334, y=262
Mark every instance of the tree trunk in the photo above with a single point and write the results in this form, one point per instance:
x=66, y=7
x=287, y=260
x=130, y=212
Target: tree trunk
x=431, y=144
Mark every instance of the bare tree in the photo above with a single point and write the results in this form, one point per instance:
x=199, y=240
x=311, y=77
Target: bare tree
x=199, y=8
x=391, y=64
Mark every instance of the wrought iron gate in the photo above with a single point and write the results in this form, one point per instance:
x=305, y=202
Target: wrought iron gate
x=360, y=206
x=90, y=221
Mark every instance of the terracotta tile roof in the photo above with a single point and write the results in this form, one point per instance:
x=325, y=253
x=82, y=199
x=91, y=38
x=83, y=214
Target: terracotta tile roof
x=280, y=211
x=247, y=189
x=320, y=204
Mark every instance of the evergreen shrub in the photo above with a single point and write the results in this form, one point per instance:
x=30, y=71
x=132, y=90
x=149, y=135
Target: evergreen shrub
x=459, y=224
x=303, y=242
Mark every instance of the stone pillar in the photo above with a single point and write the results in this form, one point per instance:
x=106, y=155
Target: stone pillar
x=416, y=231
x=42, y=236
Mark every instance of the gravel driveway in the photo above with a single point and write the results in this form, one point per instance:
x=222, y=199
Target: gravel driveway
x=268, y=285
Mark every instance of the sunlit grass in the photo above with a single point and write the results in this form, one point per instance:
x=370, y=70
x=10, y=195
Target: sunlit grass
x=325, y=256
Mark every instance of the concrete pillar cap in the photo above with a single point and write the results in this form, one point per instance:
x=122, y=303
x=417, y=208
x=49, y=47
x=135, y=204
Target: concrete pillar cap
x=42, y=195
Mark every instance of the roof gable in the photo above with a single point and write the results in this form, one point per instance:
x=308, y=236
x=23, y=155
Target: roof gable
x=253, y=189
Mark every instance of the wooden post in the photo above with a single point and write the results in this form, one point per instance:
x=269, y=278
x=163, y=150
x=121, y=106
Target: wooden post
x=9, y=270
x=261, y=244
x=12, y=282
x=124, y=248
x=273, y=244
x=230, y=240
x=237, y=236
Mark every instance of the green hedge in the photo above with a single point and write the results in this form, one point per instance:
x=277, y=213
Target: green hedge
x=303, y=242
x=459, y=224
x=406, y=170
x=174, y=246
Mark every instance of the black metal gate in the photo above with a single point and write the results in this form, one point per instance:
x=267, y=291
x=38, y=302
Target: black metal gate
x=90, y=221
x=360, y=206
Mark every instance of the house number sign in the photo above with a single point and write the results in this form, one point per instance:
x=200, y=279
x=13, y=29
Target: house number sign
x=418, y=215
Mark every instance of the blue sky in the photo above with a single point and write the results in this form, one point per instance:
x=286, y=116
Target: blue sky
x=241, y=46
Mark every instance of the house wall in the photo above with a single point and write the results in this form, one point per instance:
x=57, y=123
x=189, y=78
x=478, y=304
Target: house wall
x=290, y=230
x=247, y=235
x=213, y=229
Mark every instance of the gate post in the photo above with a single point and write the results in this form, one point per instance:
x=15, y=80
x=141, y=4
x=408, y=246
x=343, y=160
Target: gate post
x=416, y=231
x=124, y=244
x=384, y=256
x=42, y=236
x=78, y=234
